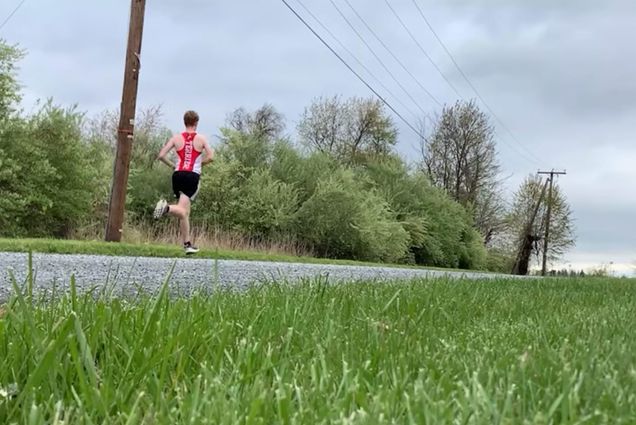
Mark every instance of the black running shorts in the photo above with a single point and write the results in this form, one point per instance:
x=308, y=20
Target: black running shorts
x=186, y=182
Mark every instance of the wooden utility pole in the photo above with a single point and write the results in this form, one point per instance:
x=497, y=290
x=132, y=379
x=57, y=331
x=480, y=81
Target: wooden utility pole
x=547, y=222
x=126, y=123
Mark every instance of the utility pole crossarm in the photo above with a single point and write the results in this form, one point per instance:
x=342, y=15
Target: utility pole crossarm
x=553, y=173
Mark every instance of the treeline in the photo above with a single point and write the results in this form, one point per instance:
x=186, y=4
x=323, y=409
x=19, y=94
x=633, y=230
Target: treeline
x=335, y=185
x=56, y=175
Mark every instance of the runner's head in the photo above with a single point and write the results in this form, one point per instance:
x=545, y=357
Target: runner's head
x=191, y=119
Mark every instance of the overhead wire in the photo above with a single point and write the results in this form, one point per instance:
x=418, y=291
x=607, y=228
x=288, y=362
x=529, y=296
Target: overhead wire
x=393, y=55
x=465, y=77
x=350, y=68
x=530, y=157
x=346, y=49
x=368, y=46
x=422, y=49
x=8, y=18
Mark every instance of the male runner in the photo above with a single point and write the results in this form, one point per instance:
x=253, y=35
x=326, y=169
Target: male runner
x=193, y=151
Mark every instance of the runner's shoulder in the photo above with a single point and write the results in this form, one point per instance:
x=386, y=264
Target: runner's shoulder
x=201, y=138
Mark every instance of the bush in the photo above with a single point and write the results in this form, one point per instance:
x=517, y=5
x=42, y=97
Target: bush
x=219, y=193
x=342, y=220
x=266, y=207
x=451, y=240
x=145, y=187
x=46, y=180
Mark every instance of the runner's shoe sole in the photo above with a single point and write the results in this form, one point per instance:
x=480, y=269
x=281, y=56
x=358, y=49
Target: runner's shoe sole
x=191, y=250
x=160, y=209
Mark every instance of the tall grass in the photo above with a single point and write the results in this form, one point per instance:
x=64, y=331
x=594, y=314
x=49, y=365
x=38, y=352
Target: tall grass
x=204, y=236
x=425, y=352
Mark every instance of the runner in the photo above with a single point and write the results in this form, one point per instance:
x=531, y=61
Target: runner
x=193, y=151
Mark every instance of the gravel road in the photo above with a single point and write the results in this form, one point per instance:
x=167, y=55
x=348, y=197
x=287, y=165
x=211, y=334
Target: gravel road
x=126, y=275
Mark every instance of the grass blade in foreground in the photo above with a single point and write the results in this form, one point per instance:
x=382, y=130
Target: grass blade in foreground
x=554, y=351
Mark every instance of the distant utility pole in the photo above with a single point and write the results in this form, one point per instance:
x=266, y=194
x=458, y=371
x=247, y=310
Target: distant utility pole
x=547, y=222
x=126, y=123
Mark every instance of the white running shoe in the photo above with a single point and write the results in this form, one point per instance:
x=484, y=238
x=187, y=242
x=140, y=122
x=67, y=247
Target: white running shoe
x=161, y=209
x=190, y=249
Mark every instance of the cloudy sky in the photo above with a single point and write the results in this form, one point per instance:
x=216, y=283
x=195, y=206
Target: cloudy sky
x=559, y=75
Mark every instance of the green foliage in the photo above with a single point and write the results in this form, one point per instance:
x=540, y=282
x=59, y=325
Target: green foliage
x=251, y=152
x=46, y=175
x=451, y=239
x=441, y=232
x=343, y=220
x=219, y=192
x=9, y=86
x=499, y=260
x=525, y=200
x=391, y=178
x=149, y=180
x=145, y=187
x=56, y=133
x=266, y=207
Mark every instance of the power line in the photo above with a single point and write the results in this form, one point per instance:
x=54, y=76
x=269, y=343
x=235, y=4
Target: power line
x=324, y=27
x=452, y=58
x=531, y=157
x=410, y=96
x=322, y=40
x=11, y=14
x=391, y=53
x=422, y=49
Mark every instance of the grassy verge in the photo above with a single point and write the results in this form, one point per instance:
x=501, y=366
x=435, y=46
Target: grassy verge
x=58, y=246
x=554, y=351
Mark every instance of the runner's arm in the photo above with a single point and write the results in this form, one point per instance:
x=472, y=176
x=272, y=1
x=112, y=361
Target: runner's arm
x=209, y=153
x=164, y=151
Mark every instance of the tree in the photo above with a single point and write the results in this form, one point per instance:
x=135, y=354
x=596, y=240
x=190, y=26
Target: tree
x=562, y=236
x=9, y=86
x=42, y=195
x=348, y=130
x=460, y=157
x=266, y=122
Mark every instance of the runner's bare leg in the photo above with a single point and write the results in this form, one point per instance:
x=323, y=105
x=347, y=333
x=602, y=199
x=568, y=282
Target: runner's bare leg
x=182, y=211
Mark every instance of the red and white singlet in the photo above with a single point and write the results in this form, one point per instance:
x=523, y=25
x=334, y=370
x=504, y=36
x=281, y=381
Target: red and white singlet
x=189, y=157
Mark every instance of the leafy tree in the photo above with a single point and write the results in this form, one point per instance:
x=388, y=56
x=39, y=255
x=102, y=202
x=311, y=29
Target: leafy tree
x=46, y=177
x=9, y=86
x=452, y=240
x=562, y=235
x=56, y=132
x=265, y=123
x=460, y=157
x=350, y=130
x=44, y=174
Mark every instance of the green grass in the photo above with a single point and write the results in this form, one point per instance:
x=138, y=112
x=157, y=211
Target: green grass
x=425, y=352
x=62, y=246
